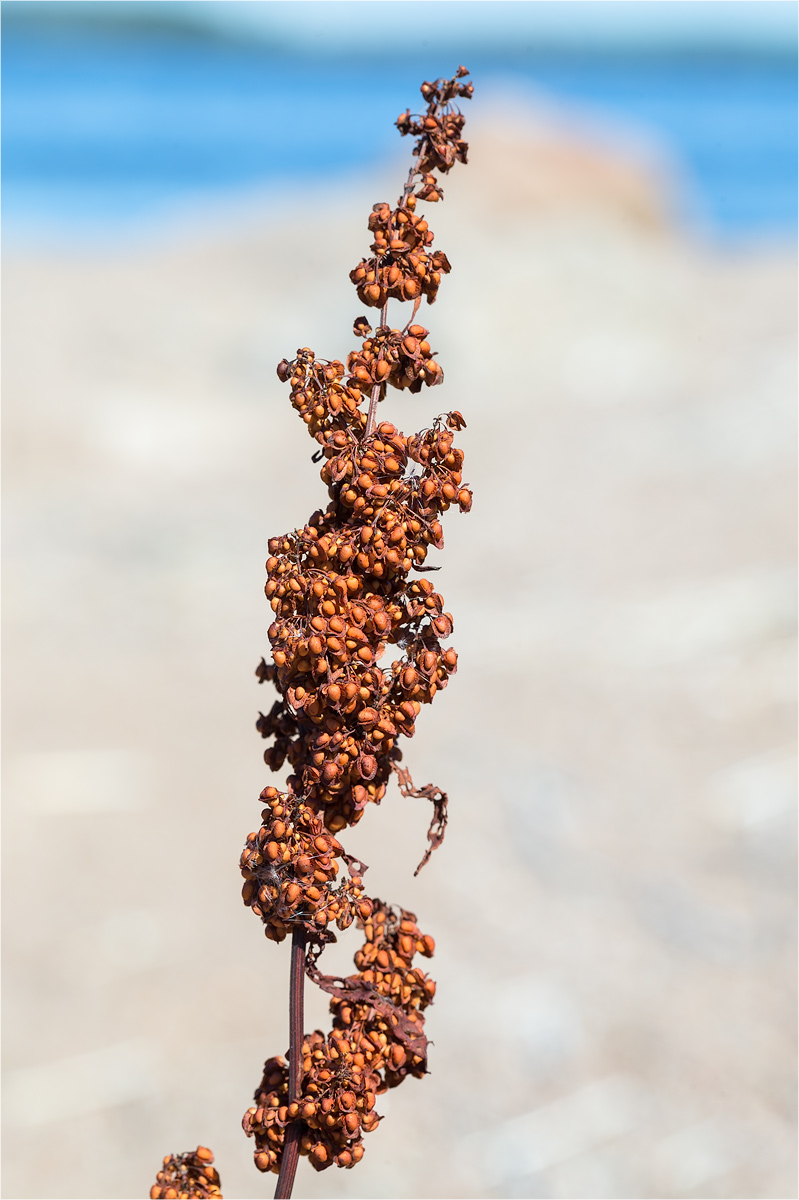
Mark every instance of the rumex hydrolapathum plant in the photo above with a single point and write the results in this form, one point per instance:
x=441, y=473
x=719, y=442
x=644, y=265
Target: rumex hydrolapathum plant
x=341, y=592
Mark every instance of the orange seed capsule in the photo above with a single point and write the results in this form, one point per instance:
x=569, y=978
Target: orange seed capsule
x=397, y=1055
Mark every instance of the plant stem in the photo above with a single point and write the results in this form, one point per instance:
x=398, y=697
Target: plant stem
x=371, y=419
x=291, y=1150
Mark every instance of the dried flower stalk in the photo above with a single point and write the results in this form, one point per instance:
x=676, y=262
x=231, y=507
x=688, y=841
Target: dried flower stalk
x=341, y=593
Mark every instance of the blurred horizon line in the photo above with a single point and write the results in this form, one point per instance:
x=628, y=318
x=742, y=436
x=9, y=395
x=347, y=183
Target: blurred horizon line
x=337, y=27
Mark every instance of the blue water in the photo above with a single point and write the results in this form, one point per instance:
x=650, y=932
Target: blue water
x=102, y=129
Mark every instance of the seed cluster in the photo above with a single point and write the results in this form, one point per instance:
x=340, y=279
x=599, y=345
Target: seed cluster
x=290, y=868
x=187, y=1176
x=340, y=594
x=343, y=599
x=390, y=1035
x=440, y=144
x=377, y=1041
x=402, y=266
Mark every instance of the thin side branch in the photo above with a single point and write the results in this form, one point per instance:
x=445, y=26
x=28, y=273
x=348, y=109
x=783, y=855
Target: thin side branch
x=371, y=419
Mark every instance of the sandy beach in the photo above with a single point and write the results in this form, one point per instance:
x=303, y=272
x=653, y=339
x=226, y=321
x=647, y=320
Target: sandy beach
x=614, y=902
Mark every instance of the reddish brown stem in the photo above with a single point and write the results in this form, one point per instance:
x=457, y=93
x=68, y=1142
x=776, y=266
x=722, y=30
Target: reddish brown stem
x=288, y=1163
x=406, y=191
x=412, y=317
x=371, y=419
x=291, y=1150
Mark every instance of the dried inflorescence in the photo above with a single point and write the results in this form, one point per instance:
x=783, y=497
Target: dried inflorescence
x=290, y=868
x=377, y=1041
x=343, y=596
x=402, y=266
x=382, y=1006
x=188, y=1176
x=335, y=1106
x=440, y=144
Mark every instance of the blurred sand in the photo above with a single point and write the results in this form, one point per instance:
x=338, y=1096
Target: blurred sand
x=614, y=903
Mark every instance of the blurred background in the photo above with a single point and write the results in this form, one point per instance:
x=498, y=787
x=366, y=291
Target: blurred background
x=185, y=188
